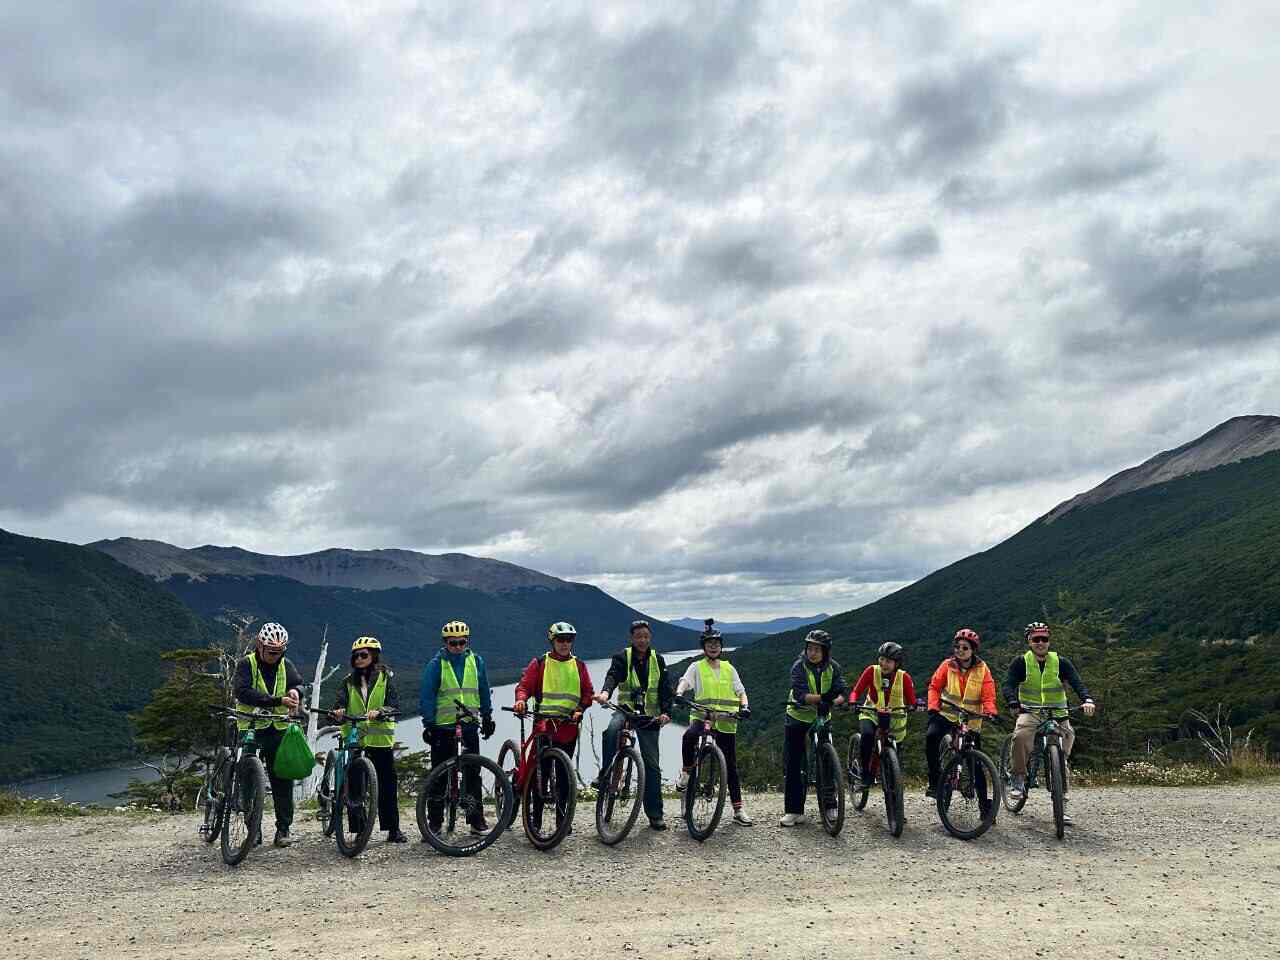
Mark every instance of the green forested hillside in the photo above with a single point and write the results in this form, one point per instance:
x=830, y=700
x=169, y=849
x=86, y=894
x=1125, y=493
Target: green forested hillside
x=1185, y=574
x=80, y=636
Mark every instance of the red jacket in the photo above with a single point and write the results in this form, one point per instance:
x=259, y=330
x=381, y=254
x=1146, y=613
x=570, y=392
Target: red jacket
x=530, y=685
x=867, y=680
x=939, y=683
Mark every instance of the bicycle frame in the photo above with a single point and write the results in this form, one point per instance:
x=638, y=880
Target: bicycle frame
x=1048, y=732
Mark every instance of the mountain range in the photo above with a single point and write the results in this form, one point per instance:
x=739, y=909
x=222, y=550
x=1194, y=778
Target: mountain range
x=759, y=627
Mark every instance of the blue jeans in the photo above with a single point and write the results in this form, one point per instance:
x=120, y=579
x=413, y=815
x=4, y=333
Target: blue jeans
x=648, y=741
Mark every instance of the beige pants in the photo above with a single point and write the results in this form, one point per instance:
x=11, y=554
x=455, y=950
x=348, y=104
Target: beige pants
x=1024, y=738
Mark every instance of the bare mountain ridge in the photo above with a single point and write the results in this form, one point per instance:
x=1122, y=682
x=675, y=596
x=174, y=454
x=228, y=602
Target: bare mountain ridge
x=335, y=567
x=1239, y=438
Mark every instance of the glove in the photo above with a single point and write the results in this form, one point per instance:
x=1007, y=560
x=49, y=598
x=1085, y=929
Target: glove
x=487, y=727
x=744, y=712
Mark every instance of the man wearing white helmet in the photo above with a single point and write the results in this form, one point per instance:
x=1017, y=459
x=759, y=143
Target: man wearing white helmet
x=265, y=680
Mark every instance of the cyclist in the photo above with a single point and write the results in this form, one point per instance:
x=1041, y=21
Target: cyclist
x=639, y=674
x=716, y=685
x=1035, y=680
x=368, y=691
x=887, y=687
x=266, y=680
x=562, y=686
x=455, y=673
x=815, y=679
x=961, y=680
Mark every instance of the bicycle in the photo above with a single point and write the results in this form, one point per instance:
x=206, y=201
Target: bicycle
x=459, y=785
x=822, y=770
x=884, y=768
x=243, y=791
x=347, y=798
x=966, y=775
x=549, y=779
x=708, y=780
x=1047, y=749
x=620, y=788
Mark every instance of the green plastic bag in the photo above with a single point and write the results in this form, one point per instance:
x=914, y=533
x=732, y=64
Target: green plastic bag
x=294, y=759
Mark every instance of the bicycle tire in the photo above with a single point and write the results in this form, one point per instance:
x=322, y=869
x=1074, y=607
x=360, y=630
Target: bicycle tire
x=324, y=794
x=708, y=778
x=562, y=771
x=827, y=763
x=967, y=763
x=245, y=795
x=891, y=783
x=509, y=762
x=621, y=785
x=1054, y=780
x=211, y=797
x=853, y=766
x=450, y=843
x=1013, y=805
x=364, y=806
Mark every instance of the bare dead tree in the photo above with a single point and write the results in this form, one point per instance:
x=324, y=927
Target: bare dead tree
x=1215, y=734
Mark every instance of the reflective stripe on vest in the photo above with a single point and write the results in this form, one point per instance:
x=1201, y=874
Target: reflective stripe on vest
x=1043, y=687
x=468, y=691
x=970, y=699
x=809, y=714
x=632, y=683
x=261, y=686
x=875, y=703
x=717, y=693
x=380, y=733
x=561, y=686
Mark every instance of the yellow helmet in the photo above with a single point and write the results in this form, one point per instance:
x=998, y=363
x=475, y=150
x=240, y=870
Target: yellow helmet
x=366, y=643
x=454, y=628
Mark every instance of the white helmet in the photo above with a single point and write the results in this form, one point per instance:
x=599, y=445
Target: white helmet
x=273, y=636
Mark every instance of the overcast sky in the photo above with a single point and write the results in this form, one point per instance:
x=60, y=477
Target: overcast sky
x=736, y=308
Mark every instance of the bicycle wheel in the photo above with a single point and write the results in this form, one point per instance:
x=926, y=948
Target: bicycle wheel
x=619, y=799
x=853, y=767
x=509, y=761
x=551, y=782
x=1054, y=780
x=704, y=796
x=242, y=810
x=357, y=807
x=830, y=788
x=475, y=787
x=891, y=782
x=210, y=798
x=968, y=794
x=1006, y=778
x=324, y=794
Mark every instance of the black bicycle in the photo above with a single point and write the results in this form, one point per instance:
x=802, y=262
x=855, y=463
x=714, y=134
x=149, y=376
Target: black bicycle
x=236, y=804
x=464, y=804
x=347, y=798
x=620, y=788
x=884, y=768
x=822, y=769
x=968, y=792
x=708, y=779
x=549, y=781
x=1047, y=752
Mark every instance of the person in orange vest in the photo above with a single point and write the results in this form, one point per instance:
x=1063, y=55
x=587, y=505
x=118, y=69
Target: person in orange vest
x=962, y=680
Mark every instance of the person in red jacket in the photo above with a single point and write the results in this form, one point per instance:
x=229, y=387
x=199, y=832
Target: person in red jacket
x=882, y=703
x=961, y=681
x=561, y=700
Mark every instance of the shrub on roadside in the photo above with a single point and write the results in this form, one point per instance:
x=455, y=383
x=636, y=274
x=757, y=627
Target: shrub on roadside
x=14, y=804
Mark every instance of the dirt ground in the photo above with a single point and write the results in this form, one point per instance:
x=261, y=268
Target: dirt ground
x=1144, y=873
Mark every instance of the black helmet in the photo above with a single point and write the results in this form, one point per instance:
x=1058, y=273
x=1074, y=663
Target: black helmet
x=710, y=632
x=892, y=651
x=820, y=637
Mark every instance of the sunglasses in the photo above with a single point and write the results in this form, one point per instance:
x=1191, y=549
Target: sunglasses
x=1039, y=639
x=458, y=642
x=361, y=654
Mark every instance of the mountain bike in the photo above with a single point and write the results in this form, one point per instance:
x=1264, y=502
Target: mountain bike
x=347, y=798
x=620, y=788
x=822, y=770
x=708, y=780
x=968, y=792
x=209, y=799
x=549, y=780
x=1047, y=751
x=243, y=788
x=884, y=767
x=466, y=784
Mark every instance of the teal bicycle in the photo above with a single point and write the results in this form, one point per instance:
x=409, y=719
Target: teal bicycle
x=235, y=787
x=347, y=799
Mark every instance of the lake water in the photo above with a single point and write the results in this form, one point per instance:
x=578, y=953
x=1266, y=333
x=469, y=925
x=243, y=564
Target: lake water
x=97, y=785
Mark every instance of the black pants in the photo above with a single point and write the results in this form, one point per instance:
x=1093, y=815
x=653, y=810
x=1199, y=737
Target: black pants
x=281, y=790
x=444, y=748
x=384, y=765
x=728, y=744
x=795, y=748
x=939, y=728
x=867, y=742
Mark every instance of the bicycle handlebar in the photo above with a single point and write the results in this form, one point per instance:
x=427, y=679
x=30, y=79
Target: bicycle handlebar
x=708, y=713
x=537, y=715
x=634, y=715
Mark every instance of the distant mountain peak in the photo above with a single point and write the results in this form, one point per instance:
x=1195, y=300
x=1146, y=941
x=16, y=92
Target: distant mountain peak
x=1239, y=438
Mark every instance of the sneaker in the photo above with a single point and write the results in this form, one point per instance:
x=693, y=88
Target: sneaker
x=930, y=793
x=740, y=816
x=396, y=836
x=682, y=781
x=791, y=819
x=282, y=839
x=657, y=823
x=1066, y=812
x=479, y=828
x=1018, y=788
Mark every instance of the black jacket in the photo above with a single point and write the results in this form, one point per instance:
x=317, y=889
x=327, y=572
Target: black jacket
x=245, y=693
x=800, y=671
x=618, y=674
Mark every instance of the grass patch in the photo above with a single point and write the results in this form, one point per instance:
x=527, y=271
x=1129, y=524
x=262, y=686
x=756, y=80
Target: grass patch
x=14, y=804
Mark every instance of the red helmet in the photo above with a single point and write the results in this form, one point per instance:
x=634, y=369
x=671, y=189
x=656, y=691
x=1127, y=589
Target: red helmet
x=1035, y=629
x=968, y=636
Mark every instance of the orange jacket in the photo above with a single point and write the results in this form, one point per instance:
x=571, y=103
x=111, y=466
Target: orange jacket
x=939, y=683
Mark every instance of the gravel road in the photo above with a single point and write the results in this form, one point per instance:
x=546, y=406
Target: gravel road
x=1145, y=873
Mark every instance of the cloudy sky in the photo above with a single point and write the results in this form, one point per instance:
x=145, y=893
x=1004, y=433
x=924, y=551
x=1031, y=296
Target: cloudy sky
x=729, y=308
